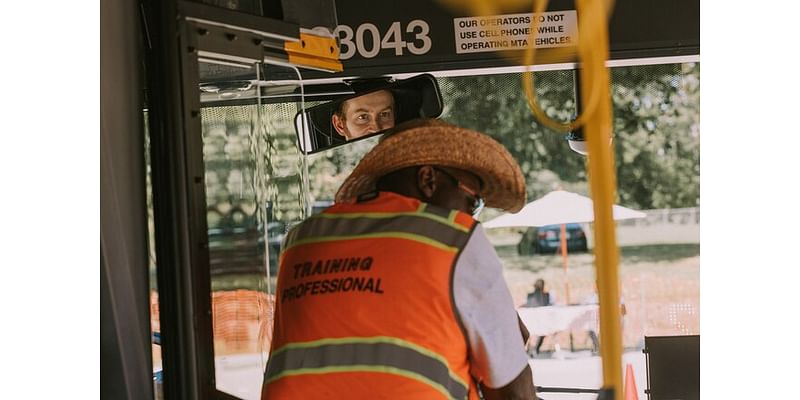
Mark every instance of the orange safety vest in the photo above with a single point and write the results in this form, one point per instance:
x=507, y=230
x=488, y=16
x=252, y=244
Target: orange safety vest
x=365, y=305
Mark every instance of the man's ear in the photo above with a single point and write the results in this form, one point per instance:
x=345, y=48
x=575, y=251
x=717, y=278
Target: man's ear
x=338, y=124
x=426, y=181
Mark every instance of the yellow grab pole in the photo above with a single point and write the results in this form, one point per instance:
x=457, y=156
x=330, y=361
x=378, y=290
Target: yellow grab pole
x=603, y=184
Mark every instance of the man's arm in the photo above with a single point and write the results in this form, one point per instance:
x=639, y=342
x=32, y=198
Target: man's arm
x=523, y=330
x=494, y=331
x=520, y=388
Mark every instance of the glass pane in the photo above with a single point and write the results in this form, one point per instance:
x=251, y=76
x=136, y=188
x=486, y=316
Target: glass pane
x=253, y=194
x=155, y=326
x=656, y=139
x=254, y=188
x=327, y=170
x=657, y=114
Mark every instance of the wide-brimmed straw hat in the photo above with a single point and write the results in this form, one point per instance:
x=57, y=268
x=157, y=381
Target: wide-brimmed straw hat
x=435, y=142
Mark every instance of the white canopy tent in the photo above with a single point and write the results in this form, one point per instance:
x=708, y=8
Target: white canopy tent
x=558, y=207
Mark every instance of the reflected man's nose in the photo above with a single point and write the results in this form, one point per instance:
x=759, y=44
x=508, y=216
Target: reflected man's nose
x=373, y=126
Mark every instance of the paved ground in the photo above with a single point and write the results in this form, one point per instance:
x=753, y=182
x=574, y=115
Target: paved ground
x=582, y=370
x=241, y=375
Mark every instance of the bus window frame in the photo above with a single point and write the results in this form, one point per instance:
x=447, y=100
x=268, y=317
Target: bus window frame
x=179, y=194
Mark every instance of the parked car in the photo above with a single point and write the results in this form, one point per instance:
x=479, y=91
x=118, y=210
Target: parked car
x=320, y=206
x=241, y=249
x=238, y=247
x=547, y=239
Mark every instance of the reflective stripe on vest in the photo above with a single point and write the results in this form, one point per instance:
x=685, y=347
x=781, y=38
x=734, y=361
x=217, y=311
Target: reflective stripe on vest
x=419, y=226
x=376, y=354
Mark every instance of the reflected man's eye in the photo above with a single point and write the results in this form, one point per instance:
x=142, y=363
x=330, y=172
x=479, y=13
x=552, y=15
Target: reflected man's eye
x=386, y=114
x=361, y=118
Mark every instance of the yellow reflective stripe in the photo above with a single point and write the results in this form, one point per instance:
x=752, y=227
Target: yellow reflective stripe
x=452, y=217
x=377, y=215
x=366, y=340
x=371, y=339
x=363, y=368
x=397, y=235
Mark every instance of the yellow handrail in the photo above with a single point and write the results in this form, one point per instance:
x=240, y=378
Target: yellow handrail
x=596, y=118
x=603, y=185
x=584, y=25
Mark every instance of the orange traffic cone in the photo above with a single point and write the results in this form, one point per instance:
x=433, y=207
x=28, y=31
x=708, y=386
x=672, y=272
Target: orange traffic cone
x=631, y=393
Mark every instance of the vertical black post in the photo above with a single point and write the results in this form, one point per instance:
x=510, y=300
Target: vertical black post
x=576, y=82
x=179, y=209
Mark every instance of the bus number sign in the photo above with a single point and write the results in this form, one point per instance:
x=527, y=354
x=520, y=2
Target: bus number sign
x=368, y=41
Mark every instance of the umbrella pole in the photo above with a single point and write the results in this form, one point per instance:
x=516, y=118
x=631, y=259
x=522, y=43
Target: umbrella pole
x=564, y=261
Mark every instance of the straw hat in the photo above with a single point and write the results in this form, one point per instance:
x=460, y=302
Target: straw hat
x=435, y=142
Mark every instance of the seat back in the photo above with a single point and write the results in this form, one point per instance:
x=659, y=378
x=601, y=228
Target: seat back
x=673, y=367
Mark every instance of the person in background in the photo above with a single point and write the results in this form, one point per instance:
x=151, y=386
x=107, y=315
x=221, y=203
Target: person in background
x=540, y=297
x=364, y=115
x=395, y=291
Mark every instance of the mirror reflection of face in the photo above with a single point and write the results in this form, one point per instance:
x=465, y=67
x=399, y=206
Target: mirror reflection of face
x=363, y=115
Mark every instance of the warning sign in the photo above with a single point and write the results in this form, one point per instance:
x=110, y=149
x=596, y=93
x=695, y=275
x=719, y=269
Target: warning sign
x=512, y=31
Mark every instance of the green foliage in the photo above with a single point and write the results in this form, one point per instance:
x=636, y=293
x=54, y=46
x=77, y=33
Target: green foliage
x=328, y=169
x=656, y=130
x=657, y=135
x=496, y=105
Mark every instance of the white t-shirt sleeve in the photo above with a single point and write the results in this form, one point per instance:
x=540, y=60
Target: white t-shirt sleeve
x=497, y=353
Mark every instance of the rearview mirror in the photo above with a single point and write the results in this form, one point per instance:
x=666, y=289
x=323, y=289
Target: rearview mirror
x=376, y=106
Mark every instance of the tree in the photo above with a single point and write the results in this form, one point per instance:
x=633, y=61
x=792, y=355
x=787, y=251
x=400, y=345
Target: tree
x=656, y=130
x=496, y=105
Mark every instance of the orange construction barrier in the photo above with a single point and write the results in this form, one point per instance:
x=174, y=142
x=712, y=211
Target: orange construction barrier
x=631, y=393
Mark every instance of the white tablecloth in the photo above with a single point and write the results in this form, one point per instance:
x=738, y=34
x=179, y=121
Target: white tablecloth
x=543, y=321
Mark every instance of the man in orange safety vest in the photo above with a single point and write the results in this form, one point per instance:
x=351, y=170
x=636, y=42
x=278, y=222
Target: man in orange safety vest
x=395, y=291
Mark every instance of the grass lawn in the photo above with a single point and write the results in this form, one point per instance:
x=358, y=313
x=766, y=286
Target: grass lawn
x=660, y=285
